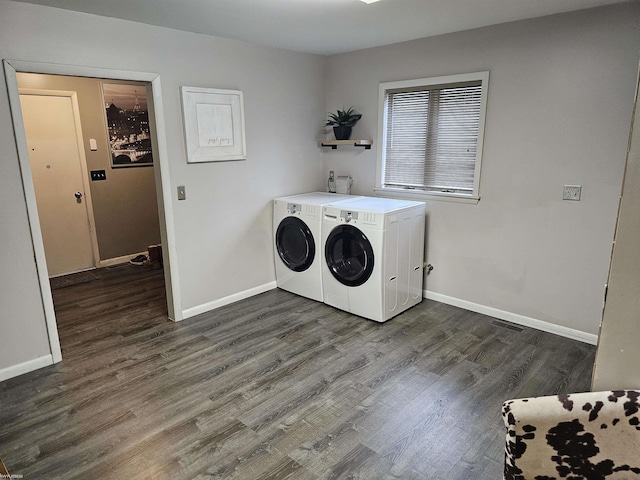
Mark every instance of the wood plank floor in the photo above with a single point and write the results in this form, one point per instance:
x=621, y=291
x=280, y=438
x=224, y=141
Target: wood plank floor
x=273, y=387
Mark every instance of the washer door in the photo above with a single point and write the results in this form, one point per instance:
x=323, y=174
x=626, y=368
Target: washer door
x=349, y=255
x=295, y=244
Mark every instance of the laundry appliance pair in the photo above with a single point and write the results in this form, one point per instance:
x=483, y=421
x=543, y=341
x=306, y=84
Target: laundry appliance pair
x=363, y=255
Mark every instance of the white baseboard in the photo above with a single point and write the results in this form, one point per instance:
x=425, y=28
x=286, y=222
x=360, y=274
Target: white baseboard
x=191, y=312
x=514, y=318
x=118, y=260
x=25, y=367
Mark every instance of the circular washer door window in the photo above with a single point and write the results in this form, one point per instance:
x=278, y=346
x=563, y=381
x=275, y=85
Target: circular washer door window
x=295, y=245
x=349, y=255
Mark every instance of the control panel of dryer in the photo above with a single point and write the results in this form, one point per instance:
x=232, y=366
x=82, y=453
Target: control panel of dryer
x=347, y=216
x=340, y=215
x=364, y=217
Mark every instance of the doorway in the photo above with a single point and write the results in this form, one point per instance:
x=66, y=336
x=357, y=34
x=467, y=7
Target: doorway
x=122, y=196
x=161, y=172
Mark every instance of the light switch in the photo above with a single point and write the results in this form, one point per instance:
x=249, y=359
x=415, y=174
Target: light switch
x=93, y=145
x=98, y=175
x=182, y=192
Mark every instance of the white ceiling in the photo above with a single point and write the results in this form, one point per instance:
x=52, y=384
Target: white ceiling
x=323, y=26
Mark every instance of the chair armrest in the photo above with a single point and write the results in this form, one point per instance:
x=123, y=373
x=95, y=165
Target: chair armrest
x=579, y=434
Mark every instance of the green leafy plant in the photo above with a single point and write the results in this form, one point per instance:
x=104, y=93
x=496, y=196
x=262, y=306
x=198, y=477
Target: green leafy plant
x=343, y=118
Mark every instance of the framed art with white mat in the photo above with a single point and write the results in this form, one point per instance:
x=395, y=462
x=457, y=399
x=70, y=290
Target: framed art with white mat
x=213, y=124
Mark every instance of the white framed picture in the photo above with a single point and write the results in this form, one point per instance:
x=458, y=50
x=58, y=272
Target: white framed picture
x=213, y=124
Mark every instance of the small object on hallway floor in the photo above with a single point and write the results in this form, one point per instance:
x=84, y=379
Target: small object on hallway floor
x=138, y=260
x=155, y=255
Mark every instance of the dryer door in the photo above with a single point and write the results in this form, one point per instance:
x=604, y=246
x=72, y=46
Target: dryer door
x=349, y=255
x=295, y=244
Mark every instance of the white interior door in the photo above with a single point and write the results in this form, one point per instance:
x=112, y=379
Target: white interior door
x=57, y=173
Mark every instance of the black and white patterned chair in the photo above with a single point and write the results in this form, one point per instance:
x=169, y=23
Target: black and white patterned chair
x=592, y=435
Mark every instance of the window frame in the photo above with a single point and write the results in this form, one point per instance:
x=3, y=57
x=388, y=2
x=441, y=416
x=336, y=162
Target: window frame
x=442, y=81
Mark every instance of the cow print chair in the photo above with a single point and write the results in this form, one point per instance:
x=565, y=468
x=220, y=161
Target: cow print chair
x=592, y=435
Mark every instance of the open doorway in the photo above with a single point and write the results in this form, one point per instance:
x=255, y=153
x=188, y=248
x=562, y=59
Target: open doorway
x=95, y=209
x=160, y=177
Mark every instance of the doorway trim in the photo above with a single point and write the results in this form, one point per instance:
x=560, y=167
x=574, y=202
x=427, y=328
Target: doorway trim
x=95, y=252
x=163, y=186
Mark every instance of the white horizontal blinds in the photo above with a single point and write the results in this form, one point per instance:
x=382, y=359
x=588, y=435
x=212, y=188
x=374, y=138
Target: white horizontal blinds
x=432, y=137
x=406, y=138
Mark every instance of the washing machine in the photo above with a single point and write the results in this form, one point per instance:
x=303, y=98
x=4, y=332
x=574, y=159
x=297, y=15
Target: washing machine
x=297, y=221
x=373, y=256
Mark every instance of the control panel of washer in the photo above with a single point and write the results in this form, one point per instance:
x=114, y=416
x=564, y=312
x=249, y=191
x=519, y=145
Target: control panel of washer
x=293, y=208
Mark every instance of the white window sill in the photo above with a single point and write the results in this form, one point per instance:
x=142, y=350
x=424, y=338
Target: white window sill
x=422, y=196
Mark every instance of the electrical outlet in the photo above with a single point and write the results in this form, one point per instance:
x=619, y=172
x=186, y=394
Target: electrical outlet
x=571, y=192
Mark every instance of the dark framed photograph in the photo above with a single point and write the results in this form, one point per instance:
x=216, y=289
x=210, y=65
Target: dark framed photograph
x=128, y=124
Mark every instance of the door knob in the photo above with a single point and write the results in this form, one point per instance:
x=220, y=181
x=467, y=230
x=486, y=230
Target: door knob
x=78, y=196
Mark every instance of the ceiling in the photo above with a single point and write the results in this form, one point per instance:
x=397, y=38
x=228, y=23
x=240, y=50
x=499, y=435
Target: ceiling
x=323, y=27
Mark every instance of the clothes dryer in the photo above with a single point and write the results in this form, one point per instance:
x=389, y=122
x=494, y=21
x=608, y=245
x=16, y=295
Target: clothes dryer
x=373, y=256
x=297, y=221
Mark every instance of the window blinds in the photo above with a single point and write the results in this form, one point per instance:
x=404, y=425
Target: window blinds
x=432, y=137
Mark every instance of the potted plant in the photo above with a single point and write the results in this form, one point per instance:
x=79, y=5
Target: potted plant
x=342, y=122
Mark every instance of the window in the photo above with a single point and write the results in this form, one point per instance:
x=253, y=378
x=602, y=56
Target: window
x=432, y=131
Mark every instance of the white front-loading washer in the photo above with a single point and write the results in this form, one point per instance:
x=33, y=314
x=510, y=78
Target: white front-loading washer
x=373, y=256
x=297, y=221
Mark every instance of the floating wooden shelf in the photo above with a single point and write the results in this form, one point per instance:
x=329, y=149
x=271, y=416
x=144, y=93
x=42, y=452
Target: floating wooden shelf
x=356, y=143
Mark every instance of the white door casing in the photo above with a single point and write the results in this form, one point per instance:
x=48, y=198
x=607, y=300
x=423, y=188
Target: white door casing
x=59, y=173
x=617, y=355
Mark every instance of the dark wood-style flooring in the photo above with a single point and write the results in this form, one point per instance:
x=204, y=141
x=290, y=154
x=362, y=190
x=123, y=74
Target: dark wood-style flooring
x=272, y=387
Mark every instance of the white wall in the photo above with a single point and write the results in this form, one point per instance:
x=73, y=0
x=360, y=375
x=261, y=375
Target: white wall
x=223, y=229
x=560, y=100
